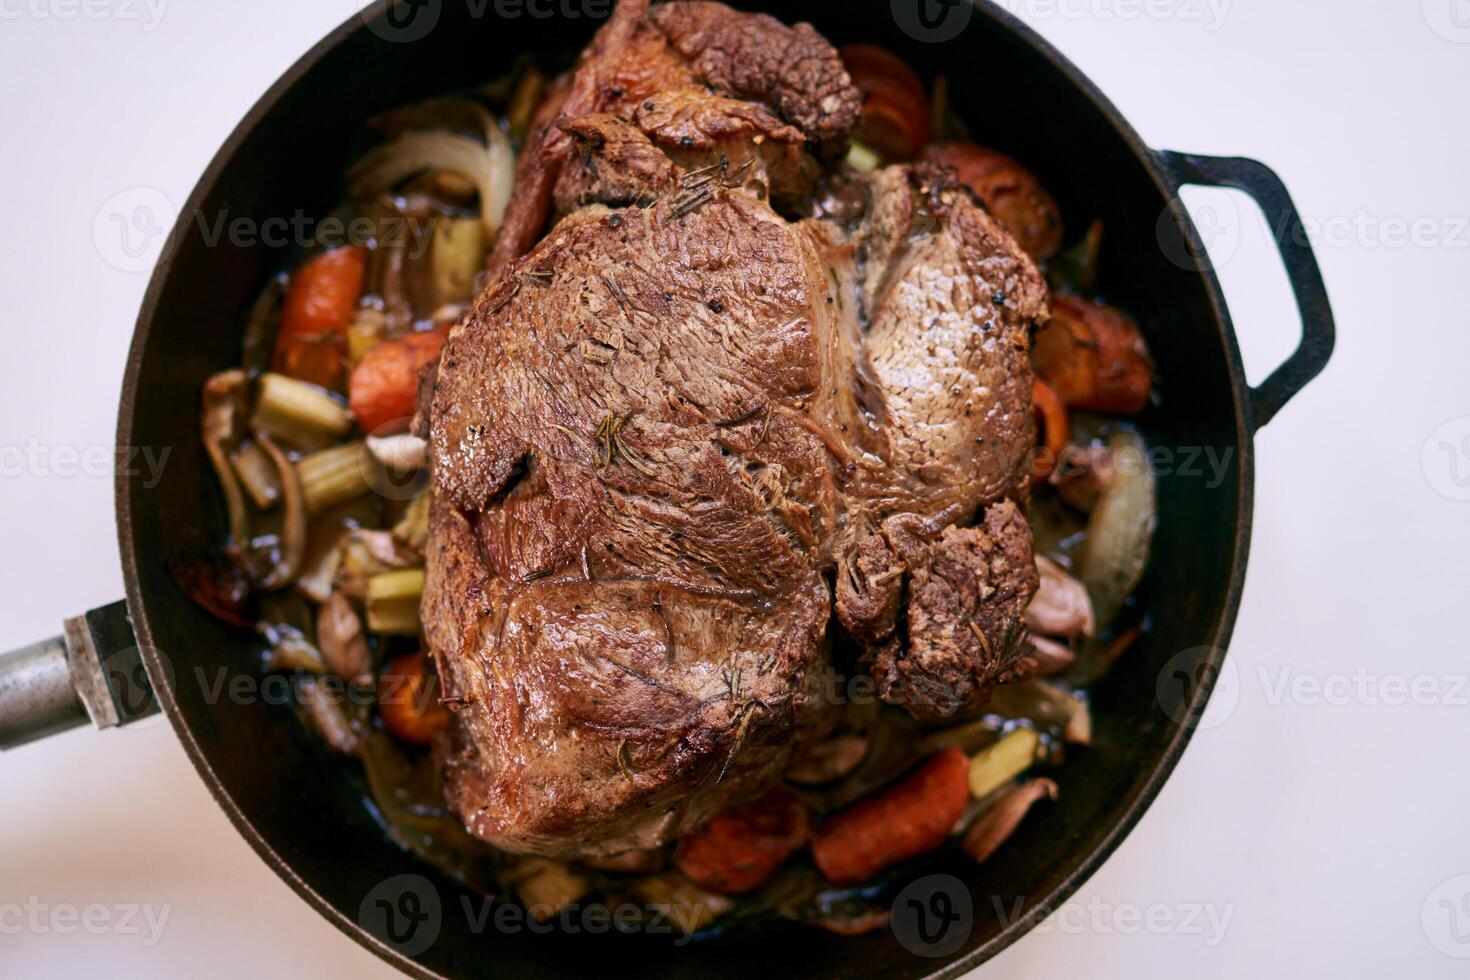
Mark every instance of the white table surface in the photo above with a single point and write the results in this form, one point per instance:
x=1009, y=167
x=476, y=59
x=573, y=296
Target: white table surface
x=1316, y=829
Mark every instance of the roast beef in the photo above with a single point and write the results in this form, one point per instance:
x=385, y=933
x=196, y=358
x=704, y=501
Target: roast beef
x=734, y=389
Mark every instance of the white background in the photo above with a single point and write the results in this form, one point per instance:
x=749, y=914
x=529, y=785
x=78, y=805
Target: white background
x=1328, y=833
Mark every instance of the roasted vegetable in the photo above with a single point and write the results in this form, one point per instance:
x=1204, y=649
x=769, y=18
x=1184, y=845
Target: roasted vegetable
x=412, y=531
x=1051, y=420
x=969, y=738
x=1060, y=606
x=368, y=329
x=996, y=766
x=257, y=475
x=906, y=820
x=1094, y=356
x=996, y=824
x=680, y=901
x=523, y=101
x=386, y=382
x=393, y=601
x=340, y=638
x=741, y=848
x=312, y=340
x=1075, y=269
x=1009, y=191
x=332, y=476
x=218, y=586
x=489, y=165
x=1049, y=656
x=325, y=706
x=1044, y=704
x=895, y=119
x=408, y=700
x=403, y=452
x=292, y=552
x=862, y=159
x=828, y=760
x=290, y=649
x=366, y=554
x=1083, y=474
x=1120, y=529
x=457, y=256
x=219, y=424
x=298, y=413
x=544, y=886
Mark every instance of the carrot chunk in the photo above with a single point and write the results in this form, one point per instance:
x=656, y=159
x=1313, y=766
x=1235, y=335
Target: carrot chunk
x=903, y=821
x=895, y=119
x=385, y=382
x=741, y=848
x=408, y=700
x=314, y=316
x=1051, y=418
x=1094, y=357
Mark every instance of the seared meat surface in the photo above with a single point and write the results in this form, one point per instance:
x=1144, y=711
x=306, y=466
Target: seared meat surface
x=682, y=429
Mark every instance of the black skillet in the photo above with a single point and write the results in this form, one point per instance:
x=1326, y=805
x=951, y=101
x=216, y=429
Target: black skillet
x=300, y=808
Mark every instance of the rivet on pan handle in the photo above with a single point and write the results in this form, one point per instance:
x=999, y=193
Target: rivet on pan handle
x=1318, y=329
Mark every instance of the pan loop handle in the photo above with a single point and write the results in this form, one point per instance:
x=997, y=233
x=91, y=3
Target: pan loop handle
x=1318, y=329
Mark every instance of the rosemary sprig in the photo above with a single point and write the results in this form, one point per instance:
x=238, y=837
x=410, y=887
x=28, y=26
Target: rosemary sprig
x=610, y=444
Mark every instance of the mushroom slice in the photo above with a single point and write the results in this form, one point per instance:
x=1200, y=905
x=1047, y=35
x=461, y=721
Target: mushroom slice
x=293, y=521
x=219, y=421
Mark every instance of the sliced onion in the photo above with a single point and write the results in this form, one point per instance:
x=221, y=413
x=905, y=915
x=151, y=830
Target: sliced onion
x=490, y=166
x=1120, y=529
x=997, y=824
x=404, y=452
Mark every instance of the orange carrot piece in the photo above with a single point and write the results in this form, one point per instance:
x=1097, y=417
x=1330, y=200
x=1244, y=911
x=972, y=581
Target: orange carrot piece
x=318, y=306
x=385, y=382
x=408, y=700
x=741, y=848
x=1094, y=356
x=1051, y=417
x=906, y=820
x=1011, y=193
x=895, y=120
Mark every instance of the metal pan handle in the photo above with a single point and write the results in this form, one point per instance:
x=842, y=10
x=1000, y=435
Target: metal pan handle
x=93, y=671
x=1318, y=330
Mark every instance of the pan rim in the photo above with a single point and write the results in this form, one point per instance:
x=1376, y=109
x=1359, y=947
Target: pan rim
x=1133, y=807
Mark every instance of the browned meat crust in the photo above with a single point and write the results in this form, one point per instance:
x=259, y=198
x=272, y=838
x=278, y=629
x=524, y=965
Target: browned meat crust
x=664, y=429
x=752, y=58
